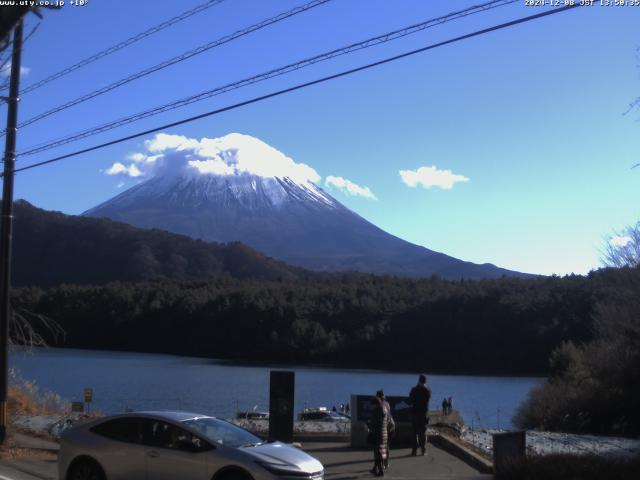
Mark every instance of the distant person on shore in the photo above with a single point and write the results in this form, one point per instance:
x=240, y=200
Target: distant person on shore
x=333, y=409
x=449, y=405
x=347, y=409
x=444, y=406
x=419, y=400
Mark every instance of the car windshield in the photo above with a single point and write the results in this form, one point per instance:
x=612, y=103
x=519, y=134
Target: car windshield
x=223, y=433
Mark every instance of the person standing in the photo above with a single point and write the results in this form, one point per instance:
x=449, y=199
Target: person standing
x=379, y=433
x=390, y=425
x=419, y=400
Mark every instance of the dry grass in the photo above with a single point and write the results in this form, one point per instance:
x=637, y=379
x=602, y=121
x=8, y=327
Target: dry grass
x=25, y=397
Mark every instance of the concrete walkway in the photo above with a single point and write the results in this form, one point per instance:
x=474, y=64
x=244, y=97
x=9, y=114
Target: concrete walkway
x=29, y=441
x=341, y=462
x=344, y=463
x=29, y=469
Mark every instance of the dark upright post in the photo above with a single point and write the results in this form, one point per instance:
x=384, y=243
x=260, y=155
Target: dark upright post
x=509, y=448
x=6, y=221
x=281, y=406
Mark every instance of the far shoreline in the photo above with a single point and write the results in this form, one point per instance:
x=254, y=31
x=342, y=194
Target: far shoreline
x=298, y=364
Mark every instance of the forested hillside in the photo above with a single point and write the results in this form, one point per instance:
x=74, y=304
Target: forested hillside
x=500, y=326
x=51, y=248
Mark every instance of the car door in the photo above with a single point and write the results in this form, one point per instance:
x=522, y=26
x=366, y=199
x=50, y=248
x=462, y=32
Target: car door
x=174, y=453
x=121, y=454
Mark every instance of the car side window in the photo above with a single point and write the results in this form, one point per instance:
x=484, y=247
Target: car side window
x=121, y=429
x=165, y=435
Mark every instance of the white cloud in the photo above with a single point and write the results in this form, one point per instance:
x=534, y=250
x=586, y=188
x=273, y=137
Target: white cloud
x=120, y=185
x=620, y=240
x=431, y=177
x=142, y=158
x=137, y=157
x=119, y=169
x=228, y=155
x=5, y=71
x=162, y=142
x=214, y=166
x=349, y=187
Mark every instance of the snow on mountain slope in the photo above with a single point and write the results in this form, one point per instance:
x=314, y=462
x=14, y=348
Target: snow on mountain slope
x=238, y=188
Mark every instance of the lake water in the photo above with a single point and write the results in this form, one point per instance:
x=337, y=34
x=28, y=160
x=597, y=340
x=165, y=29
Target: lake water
x=122, y=380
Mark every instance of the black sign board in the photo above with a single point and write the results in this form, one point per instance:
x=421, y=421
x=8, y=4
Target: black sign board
x=400, y=408
x=281, y=406
x=508, y=447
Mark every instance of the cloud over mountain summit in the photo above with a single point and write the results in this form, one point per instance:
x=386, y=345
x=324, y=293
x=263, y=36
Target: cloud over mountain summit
x=232, y=154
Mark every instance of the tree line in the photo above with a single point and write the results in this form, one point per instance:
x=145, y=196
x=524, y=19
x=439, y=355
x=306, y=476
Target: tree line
x=502, y=326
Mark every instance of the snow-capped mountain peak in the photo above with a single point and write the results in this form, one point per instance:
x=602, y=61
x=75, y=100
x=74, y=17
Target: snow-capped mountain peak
x=238, y=188
x=233, y=168
x=231, y=154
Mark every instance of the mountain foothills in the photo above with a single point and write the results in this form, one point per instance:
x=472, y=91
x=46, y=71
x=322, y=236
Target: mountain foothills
x=178, y=295
x=237, y=188
x=51, y=248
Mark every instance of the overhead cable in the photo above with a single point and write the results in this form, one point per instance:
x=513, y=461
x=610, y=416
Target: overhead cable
x=302, y=85
x=177, y=59
x=370, y=42
x=119, y=46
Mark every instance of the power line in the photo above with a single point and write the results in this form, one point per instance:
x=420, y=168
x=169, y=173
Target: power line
x=121, y=45
x=180, y=58
x=5, y=62
x=303, y=85
x=370, y=42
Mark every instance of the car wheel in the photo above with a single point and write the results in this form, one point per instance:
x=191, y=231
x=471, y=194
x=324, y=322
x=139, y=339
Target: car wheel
x=234, y=475
x=86, y=470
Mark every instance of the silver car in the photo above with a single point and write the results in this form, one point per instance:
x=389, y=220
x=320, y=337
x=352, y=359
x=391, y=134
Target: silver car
x=177, y=446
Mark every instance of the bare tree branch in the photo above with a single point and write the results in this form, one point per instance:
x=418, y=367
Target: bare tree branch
x=31, y=329
x=622, y=249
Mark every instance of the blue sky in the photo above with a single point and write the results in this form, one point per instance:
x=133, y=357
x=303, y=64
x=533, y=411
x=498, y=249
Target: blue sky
x=532, y=116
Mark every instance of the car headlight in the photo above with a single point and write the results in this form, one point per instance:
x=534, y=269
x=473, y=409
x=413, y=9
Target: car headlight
x=284, y=470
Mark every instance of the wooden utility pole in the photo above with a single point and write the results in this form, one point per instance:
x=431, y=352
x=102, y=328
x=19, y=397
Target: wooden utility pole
x=6, y=223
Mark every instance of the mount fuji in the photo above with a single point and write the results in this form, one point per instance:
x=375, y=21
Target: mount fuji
x=237, y=188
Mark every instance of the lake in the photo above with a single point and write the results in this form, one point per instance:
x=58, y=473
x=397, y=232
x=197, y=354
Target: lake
x=124, y=380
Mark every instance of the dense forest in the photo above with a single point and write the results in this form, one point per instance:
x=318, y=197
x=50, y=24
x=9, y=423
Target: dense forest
x=501, y=326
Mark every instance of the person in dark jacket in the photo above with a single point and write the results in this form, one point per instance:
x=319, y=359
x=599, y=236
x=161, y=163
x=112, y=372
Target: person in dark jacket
x=419, y=399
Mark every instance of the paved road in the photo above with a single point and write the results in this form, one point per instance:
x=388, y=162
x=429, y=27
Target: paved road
x=343, y=463
x=28, y=469
x=340, y=461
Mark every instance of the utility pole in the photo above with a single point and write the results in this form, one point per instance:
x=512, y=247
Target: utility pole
x=6, y=223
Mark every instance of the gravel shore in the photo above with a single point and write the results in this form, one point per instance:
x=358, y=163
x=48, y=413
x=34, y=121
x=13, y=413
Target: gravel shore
x=543, y=443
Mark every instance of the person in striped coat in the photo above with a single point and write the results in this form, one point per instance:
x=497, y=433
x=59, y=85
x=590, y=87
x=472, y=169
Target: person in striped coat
x=381, y=424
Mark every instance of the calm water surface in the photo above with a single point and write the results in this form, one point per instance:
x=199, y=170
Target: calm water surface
x=122, y=380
